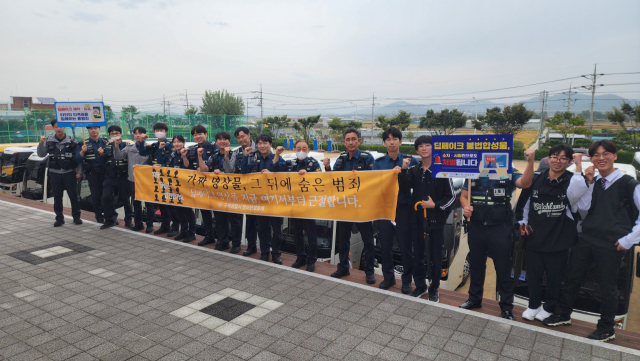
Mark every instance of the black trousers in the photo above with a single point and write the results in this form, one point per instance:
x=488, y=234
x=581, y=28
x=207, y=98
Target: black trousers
x=187, y=220
x=175, y=218
x=222, y=226
x=608, y=262
x=308, y=226
x=267, y=241
x=165, y=214
x=207, y=222
x=235, y=230
x=538, y=264
x=137, y=208
x=252, y=231
x=495, y=241
x=402, y=233
x=61, y=182
x=110, y=185
x=96, y=181
x=344, y=236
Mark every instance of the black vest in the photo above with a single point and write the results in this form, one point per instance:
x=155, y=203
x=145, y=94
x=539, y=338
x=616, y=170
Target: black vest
x=192, y=155
x=92, y=163
x=114, y=168
x=494, y=205
x=612, y=213
x=62, y=158
x=311, y=165
x=361, y=162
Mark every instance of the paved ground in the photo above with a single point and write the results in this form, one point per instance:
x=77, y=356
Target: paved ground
x=78, y=293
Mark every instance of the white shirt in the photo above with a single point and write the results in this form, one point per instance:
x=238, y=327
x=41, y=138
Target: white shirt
x=578, y=186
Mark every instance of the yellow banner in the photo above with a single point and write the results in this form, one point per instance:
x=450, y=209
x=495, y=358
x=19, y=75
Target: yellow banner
x=345, y=196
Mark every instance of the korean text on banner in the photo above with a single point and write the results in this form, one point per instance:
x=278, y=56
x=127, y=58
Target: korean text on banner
x=472, y=156
x=343, y=196
x=80, y=114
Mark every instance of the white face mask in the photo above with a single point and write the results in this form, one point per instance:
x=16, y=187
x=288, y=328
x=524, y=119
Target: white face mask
x=161, y=135
x=114, y=138
x=302, y=155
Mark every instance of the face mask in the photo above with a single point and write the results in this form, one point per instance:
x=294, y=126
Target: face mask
x=302, y=155
x=161, y=135
x=114, y=138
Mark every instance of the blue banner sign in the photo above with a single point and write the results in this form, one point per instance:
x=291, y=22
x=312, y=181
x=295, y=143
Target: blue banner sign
x=472, y=156
x=80, y=114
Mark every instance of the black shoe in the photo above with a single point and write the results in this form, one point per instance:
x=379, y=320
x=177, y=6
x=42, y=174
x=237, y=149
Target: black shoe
x=189, y=238
x=58, y=223
x=264, y=257
x=222, y=246
x=434, y=296
x=557, y=319
x=507, y=315
x=299, y=262
x=180, y=237
x=206, y=241
x=249, y=251
x=406, y=288
x=77, y=221
x=235, y=249
x=173, y=233
x=419, y=291
x=137, y=227
x=340, y=273
x=276, y=259
x=161, y=230
x=386, y=284
x=602, y=335
x=468, y=305
x=371, y=279
x=101, y=221
x=311, y=267
x=117, y=222
x=128, y=224
x=107, y=225
x=149, y=229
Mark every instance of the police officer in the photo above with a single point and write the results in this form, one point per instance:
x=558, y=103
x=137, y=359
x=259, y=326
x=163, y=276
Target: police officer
x=304, y=164
x=90, y=156
x=197, y=156
x=353, y=160
x=491, y=233
x=265, y=162
x=156, y=151
x=177, y=159
x=392, y=138
x=116, y=172
x=62, y=171
x=215, y=164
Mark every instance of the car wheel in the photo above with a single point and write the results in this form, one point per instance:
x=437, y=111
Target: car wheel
x=465, y=271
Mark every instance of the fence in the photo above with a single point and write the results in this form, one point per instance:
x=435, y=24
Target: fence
x=28, y=126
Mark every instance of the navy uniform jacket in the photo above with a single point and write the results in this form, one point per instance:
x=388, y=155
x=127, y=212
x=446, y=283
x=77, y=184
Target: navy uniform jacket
x=384, y=163
x=263, y=163
x=309, y=164
x=350, y=163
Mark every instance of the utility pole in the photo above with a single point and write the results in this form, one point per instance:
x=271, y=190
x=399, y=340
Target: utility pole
x=186, y=97
x=259, y=98
x=164, y=110
x=569, y=101
x=592, y=87
x=543, y=100
x=373, y=102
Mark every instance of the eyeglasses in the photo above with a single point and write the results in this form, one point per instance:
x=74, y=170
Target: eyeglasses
x=114, y=133
x=556, y=159
x=603, y=155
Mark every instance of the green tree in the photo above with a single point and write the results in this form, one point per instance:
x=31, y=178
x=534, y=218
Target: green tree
x=338, y=127
x=509, y=120
x=565, y=123
x=221, y=102
x=410, y=136
x=304, y=126
x=401, y=120
x=191, y=110
x=275, y=123
x=109, y=116
x=627, y=116
x=444, y=122
x=128, y=117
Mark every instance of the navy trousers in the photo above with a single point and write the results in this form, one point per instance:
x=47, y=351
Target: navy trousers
x=61, y=182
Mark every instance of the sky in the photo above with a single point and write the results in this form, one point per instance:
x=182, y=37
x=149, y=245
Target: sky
x=325, y=55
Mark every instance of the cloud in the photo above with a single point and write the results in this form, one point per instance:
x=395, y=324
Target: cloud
x=82, y=16
x=131, y=4
x=318, y=26
x=302, y=75
x=38, y=14
x=221, y=24
x=63, y=87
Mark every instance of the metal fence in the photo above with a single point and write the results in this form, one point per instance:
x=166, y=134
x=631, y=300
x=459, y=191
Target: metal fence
x=28, y=126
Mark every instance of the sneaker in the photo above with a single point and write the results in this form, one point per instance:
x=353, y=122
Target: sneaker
x=180, y=237
x=149, y=229
x=77, y=221
x=161, y=230
x=340, y=273
x=311, y=267
x=531, y=313
x=128, y=224
x=557, y=319
x=371, y=279
x=249, y=251
x=222, y=246
x=264, y=257
x=189, y=238
x=386, y=284
x=419, y=291
x=173, y=233
x=602, y=335
x=406, y=288
x=542, y=315
x=206, y=240
x=58, y=223
x=434, y=296
x=107, y=224
x=137, y=227
x=507, y=315
x=235, y=249
x=299, y=262
x=276, y=259
x=469, y=305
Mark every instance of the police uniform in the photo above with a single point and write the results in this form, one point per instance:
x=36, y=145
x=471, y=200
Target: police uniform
x=234, y=165
x=116, y=179
x=136, y=154
x=93, y=169
x=207, y=220
x=156, y=156
x=216, y=161
x=182, y=216
x=490, y=232
x=307, y=225
x=400, y=230
x=266, y=223
x=62, y=173
x=360, y=161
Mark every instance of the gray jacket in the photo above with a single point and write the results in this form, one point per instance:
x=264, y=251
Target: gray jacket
x=133, y=156
x=230, y=164
x=42, y=151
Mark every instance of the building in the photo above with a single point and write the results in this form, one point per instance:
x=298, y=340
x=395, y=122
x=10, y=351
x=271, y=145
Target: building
x=41, y=103
x=4, y=106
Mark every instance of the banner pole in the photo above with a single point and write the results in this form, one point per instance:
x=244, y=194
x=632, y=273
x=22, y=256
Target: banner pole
x=469, y=195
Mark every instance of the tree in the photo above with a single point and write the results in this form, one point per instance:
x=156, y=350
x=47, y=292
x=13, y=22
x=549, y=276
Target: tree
x=128, y=117
x=509, y=120
x=274, y=123
x=304, y=125
x=221, y=102
x=410, y=136
x=191, y=110
x=565, y=123
x=444, y=122
x=338, y=127
x=401, y=120
x=626, y=114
